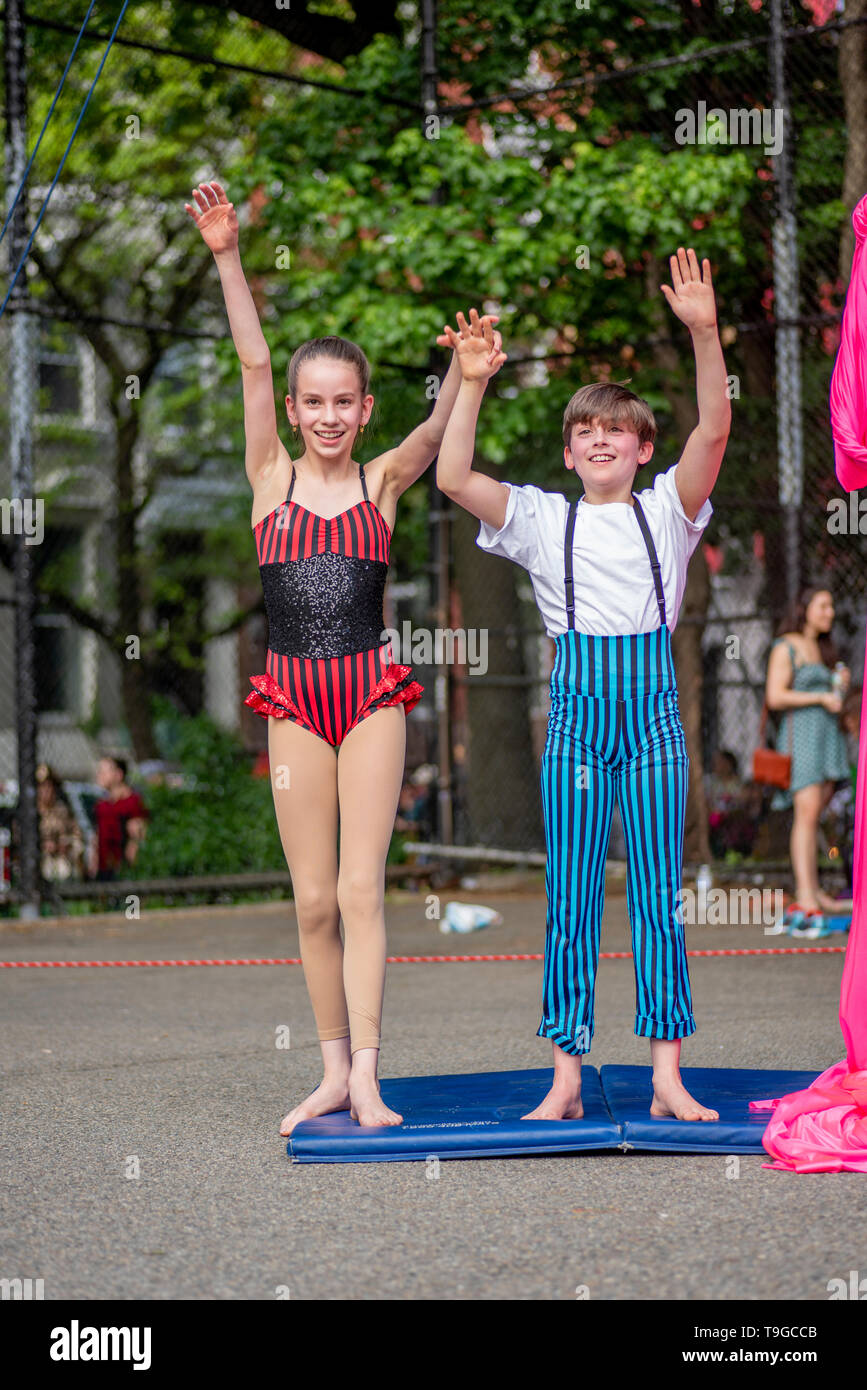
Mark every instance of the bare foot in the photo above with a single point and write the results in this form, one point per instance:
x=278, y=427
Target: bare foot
x=670, y=1097
x=559, y=1104
x=328, y=1096
x=835, y=906
x=367, y=1105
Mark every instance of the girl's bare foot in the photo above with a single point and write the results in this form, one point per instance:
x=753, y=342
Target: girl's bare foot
x=671, y=1098
x=331, y=1094
x=561, y=1103
x=367, y=1105
x=835, y=906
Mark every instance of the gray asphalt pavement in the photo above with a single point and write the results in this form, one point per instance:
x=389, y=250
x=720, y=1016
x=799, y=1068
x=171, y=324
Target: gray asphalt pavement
x=142, y=1160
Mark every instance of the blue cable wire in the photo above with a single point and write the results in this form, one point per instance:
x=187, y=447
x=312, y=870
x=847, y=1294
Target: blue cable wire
x=45, y=125
x=63, y=160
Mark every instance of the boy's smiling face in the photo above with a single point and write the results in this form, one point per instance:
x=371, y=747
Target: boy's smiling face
x=605, y=455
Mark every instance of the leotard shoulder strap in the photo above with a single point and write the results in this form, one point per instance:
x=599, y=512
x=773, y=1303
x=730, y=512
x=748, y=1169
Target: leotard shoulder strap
x=363, y=483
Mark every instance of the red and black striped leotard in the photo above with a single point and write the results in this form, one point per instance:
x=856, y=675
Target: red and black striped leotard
x=323, y=578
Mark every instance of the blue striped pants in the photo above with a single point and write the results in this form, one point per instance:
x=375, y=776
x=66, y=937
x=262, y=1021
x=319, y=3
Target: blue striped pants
x=614, y=730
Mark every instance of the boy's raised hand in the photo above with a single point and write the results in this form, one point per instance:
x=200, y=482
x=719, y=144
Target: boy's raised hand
x=478, y=345
x=214, y=216
x=692, y=298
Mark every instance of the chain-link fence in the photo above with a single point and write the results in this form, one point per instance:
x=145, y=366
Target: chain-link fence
x=781, y=522
x=149, y=618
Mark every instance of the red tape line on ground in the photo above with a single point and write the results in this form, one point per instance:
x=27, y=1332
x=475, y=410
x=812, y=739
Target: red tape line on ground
x=417, y=960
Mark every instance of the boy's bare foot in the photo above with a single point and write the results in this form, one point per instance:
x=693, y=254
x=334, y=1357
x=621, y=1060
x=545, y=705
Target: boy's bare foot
x=329, y=1095
x=671, y=1098
x=367, y=1105
x=561, y=1103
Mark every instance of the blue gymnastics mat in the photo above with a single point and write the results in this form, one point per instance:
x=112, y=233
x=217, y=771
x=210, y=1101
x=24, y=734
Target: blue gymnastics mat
x=628, y=1092
x=471, y=1115
x=478, y=1115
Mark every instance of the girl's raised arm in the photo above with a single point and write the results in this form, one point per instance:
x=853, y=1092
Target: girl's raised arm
x=215, y=218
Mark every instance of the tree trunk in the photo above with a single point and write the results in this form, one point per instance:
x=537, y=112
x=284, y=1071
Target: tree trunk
x=853, y=79
x=503, y=801
x=686, y=645
x=134, y=679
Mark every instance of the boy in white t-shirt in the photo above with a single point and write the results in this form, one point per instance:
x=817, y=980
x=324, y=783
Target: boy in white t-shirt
x=608, y=572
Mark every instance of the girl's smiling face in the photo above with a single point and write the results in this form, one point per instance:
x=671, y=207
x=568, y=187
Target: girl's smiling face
x=329, y=408
x=604, y=454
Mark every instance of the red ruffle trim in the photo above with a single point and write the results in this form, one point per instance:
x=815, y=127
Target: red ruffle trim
x=268, y=698
x=272, y=700
x=397, y=679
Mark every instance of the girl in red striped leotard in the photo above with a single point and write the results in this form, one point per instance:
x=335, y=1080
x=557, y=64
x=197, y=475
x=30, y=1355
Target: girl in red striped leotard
x=323, y=557
x=323, y=579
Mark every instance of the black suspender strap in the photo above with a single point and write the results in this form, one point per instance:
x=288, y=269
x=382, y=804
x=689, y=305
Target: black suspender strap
x=567, y=557
x=291, y=485
x=654, y=559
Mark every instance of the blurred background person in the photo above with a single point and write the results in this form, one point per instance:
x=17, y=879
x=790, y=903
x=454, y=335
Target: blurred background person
x=733, y=806
x=61, y=843
x=416, y=803
x=120, y=821
x=806, y=684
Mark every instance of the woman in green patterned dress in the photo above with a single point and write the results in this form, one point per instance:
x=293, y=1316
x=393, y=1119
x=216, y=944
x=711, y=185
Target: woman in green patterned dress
x=801, y=685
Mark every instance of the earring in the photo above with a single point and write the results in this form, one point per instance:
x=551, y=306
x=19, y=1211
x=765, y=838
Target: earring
x=362, y=429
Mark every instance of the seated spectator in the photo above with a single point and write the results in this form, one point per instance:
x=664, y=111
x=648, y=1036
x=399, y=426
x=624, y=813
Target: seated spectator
x=61, y=843
x=733, y=806
x=415, y=805
x=850, y=722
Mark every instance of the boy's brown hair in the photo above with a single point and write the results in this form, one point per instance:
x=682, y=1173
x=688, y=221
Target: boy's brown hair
x=614, y=405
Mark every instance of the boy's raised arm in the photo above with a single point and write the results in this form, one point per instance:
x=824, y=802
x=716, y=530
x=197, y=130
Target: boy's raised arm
x=405, y=463
x=692, y=299
x=479, y=360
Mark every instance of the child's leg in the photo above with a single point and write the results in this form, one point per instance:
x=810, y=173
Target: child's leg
x=577, y=803
x=651, y=791
x=304, y=787
x=803, y=844
x=563, y=1101
x=370, y=767
x=670, y=1096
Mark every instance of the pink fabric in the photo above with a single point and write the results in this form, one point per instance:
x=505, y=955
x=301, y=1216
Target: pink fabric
x=824, y=1128
x=849, y=378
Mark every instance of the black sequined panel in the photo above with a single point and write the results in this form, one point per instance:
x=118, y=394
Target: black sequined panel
x=325, y=605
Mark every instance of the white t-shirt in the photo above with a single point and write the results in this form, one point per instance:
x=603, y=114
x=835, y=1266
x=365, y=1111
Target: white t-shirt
x=613, y=581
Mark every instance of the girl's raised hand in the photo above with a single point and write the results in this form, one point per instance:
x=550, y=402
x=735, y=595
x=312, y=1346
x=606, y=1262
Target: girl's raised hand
x=478, y=345
x=214, y=216
x=692, y=297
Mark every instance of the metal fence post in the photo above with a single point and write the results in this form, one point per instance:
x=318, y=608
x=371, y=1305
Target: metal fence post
x=790, y=438
x=21, y=385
